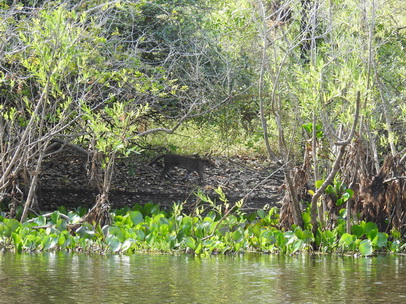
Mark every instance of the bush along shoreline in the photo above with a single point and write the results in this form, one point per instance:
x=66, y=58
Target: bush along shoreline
x=211, y=229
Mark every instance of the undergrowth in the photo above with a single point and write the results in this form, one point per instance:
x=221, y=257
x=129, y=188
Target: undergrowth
x=216, y=227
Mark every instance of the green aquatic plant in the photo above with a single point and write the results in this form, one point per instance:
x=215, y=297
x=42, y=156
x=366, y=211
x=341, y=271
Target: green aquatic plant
x=219, y=228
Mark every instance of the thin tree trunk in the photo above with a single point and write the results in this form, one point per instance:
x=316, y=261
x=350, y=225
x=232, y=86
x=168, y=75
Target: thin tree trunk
x=261, y=82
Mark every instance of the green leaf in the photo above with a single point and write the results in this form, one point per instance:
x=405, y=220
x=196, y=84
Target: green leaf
x=55, y=216
x=328, y=237
x=237, y=236
x=347, y=239
x=350, y=193
x=297, y=245
x=261, y=213
x=16, y=238
x=365, y=247
x=118, y=232
x=319, y=183
x=113, y=243
x=372, y=234
x=126, y=245
x=340, y=201
x=395, y=246
x=340, y=229
x=61, y=240
x=329, y=189
x=370, y=226
x=381, y=240
x=357, y=230
x=136, y=217
x=11, y=226
x=255, y=230
x=306, y=219
x=41, y=220
x=190, y=242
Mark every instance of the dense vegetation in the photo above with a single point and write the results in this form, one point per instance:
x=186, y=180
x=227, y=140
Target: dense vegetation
x=316, y=86
x=147, y=228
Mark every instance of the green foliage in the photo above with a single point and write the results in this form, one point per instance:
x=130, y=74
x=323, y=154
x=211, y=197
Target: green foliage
x=147, y=228
x=309, y=128
x=217, y=228
x=338, y=192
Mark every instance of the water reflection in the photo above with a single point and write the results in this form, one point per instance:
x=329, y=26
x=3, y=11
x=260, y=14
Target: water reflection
x=71, y=278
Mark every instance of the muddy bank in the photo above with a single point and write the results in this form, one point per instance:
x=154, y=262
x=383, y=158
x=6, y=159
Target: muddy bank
x=65, y=180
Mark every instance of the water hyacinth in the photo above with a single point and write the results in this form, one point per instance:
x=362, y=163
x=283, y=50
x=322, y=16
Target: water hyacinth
x=149, y=229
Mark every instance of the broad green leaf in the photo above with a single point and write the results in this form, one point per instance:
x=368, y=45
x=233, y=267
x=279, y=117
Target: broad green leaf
x=370, y=226
x=372, y=234
x=198, y=248
x=41, y=220
x=52, y=241
x=256, y=230
x=223, y=230
x=365, y=247
x=357, y=230
x=340, y=229
x=118, y=232
x=237, y=236
x=280, y=238
x=350, y=193
x=10, y=226
x=61, y=240
x=136, y=217
x=347, y=239
x=113, y=243
x=16, y=238
x=297, y=245
x=381, y=240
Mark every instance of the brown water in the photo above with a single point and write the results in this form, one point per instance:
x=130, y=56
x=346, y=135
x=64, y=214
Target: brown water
x=72, y=278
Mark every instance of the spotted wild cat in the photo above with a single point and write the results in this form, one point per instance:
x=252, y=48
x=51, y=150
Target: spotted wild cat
x=190, y=163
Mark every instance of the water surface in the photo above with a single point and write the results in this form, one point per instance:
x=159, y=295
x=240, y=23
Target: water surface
x=81, y=278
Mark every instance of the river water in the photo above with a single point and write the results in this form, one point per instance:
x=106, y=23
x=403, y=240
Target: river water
x=146, y=278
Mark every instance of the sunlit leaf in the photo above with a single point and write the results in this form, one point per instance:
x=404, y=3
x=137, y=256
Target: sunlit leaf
x=126, y=245
x=347, y=239
x=190, y=242
x=113, y=243
x=297, y=245
x=365, y=247
x=136, y=217
x=372, y=234
x=381, y=240
x=318, y=184
x=370, y=226
x=55, y=216
x=40, y=220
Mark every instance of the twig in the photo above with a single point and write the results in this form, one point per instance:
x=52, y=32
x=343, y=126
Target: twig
x=393, y=178
x=65, y=217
